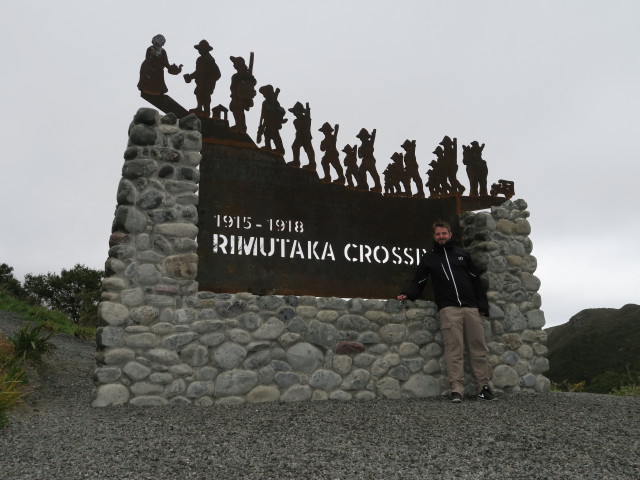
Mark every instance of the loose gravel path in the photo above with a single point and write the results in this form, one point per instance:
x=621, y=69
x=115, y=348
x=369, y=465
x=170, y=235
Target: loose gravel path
x=58, y=435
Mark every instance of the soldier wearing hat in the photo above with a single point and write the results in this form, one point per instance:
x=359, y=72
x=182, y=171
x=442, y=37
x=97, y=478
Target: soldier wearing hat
x=302, y=124
x=331, y=157
x=205, y=76
x=394, y=174
x=271, y=119
x=411, y=166
x=476, y=168
x=243, y=91
x=450, y=164
x=365, y=152
x=351, y=162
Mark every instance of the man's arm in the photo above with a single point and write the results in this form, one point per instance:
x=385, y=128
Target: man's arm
x=417, y=285
x=481, y=295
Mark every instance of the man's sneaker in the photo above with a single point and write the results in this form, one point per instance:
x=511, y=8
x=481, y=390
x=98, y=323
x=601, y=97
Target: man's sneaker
x=455, y=397
x=486, y=393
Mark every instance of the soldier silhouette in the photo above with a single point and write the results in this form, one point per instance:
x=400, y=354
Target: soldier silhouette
x=302, y=124
x=440, y=174
x=331, y=157
x=450, y=164
x=205, y=75
x=365, y=152
x=152, y=69
x=242, y=92
x=351, y=162
x=395, y=175
x=271, y=119
x=411, y=167
x=434, y=182
x=477, y=170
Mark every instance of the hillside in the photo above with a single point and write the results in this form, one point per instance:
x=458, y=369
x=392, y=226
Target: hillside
x=596, y=346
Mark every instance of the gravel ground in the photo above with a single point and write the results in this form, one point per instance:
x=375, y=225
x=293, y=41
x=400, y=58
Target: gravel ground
x=58, y=435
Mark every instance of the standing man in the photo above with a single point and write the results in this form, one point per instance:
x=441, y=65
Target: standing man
x=461, y=302
x=205, y=75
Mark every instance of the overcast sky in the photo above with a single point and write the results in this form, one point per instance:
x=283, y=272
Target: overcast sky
x=552, y=88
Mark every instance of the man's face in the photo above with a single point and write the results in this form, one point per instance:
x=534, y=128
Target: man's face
x=441, y=235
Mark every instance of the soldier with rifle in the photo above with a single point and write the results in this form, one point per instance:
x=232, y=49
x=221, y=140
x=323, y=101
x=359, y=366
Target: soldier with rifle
x=351, y=162
x=411, y=168
x=271, y=119
x=365, y=152
x=331, y=157
x=243, y=91
x=302, y=124
x=450, y=164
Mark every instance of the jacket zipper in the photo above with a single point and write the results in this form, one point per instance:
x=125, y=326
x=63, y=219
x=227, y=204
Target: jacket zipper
x=452, y=279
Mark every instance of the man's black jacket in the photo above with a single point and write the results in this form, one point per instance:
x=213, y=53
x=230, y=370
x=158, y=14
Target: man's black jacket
x=456, y=282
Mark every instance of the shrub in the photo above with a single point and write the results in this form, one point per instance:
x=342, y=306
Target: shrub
x=31, y=342
x=12, y=387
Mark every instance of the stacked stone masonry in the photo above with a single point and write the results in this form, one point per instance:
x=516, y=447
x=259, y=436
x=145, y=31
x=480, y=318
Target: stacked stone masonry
x=164, y=342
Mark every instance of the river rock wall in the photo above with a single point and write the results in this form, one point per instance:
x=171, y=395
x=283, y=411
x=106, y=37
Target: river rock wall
x=164, y=342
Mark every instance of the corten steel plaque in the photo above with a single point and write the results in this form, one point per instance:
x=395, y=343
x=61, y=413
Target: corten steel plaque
x=267, y=228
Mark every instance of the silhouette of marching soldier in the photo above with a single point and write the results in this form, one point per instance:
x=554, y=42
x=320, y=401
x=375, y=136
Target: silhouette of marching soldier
x=271, y=119
x=411, y=168
x=477, y=170
x=205, y=76
x=302, y=124
x=450, y=164
x=438, y=176
x=243, y=91
x=331, y=157
x=351, y=162
x=433, y=183
x=365, y=152
x=152, y=69
x=394, y=175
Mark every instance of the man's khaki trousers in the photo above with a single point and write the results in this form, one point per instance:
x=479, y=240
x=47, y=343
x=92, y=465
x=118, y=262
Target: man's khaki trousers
x=464, y=326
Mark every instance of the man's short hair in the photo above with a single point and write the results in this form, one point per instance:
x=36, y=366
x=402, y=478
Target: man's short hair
x=441, y=224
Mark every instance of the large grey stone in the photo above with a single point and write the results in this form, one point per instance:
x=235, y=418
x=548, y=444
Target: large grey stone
x=304, y=357
x=505, y=376
x=322, y=334
x=129, y=219
x=270, y=330
x=111, y=394
x=421, y=386
x=229, y=355
x=115, y=314
x=235, y=382
x=393, y=333
x=356, y=380
x=136, y=371
x=297, y=393
x=326, y=380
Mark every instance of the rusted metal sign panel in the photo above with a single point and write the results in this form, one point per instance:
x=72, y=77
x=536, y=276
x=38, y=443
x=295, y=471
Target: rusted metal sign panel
x=267, y=228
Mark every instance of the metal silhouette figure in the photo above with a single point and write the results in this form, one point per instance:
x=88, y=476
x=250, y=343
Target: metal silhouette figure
x=450, y=164
x=152, y=69
x=438, y=176
x=411, y=168
x=394, y=176
x=504, y=187
x=243, y=91
x=271, y=119
x=477, y=170
x=302, y=124
x=351, y=162
x=365, y=152
x=331, y=157
x=205, y=76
